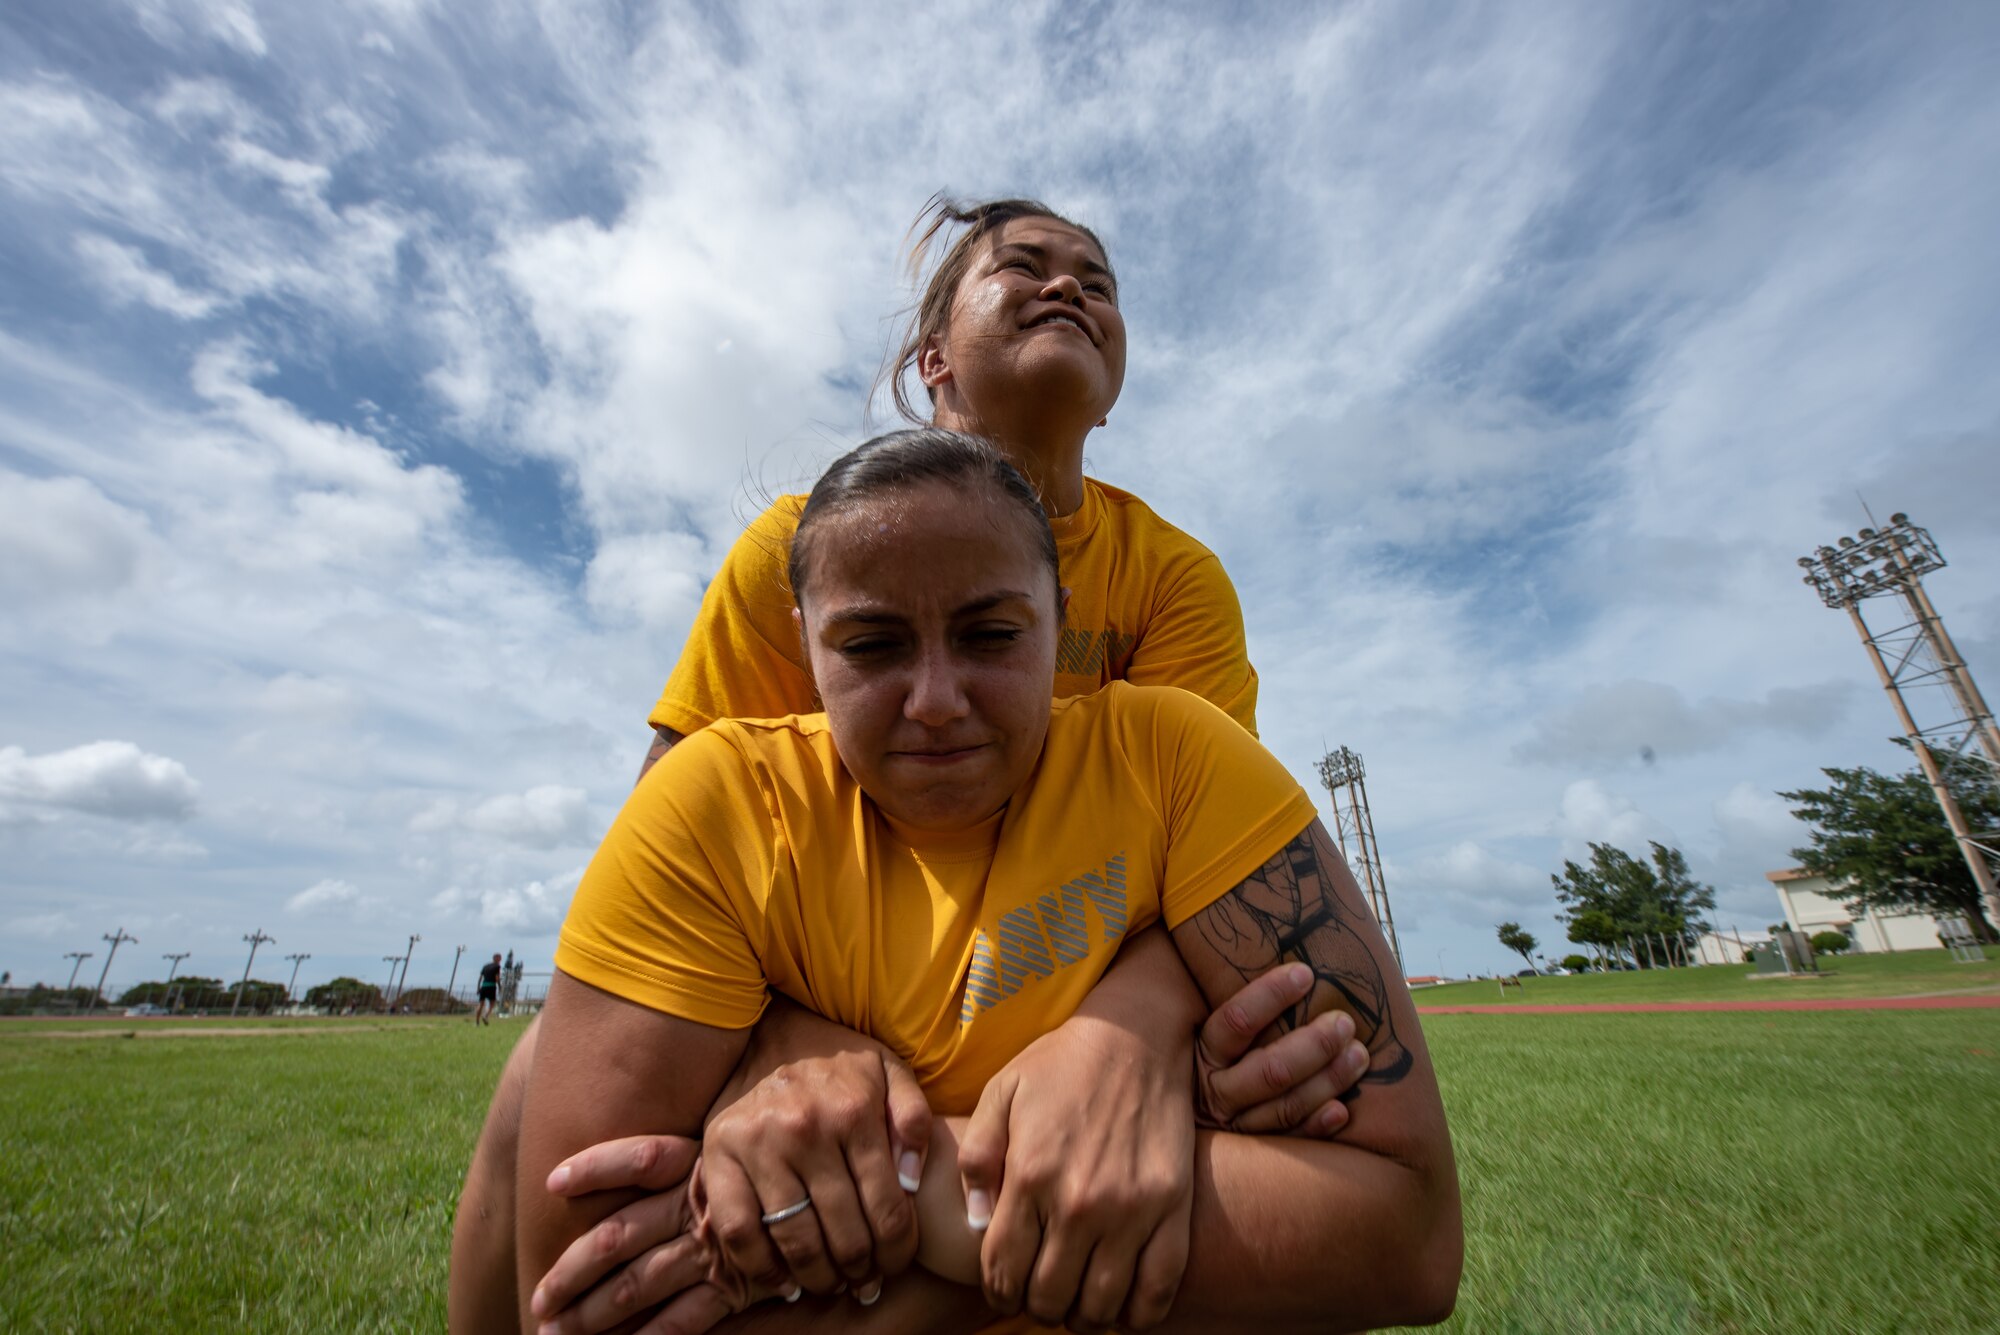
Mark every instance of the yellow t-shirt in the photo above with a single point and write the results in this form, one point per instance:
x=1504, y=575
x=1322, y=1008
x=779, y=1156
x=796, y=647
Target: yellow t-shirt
x=748, y=858
x=1147, y=604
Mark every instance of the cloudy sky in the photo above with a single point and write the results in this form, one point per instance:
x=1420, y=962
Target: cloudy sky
x=380, y=382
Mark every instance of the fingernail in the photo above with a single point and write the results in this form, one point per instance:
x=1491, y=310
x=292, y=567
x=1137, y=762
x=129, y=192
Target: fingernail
x=1301, y=977
x=910, y=1170
x=978, y=1210
x=538, y=1303
x=791, y=1292
x=868, y=1295
x=559, y=1179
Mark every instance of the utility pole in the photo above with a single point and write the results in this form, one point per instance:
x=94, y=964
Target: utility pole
x=172, y=969
x=454, y=978
x=115, y=941
x=408, y=951
x=392, y=961
x=79, y=956
x=1917, y=653
x=293, y=986
x=1341, y=772
x=256, y=939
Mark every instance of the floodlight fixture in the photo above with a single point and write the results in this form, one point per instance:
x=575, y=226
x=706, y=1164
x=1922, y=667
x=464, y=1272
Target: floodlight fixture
x=1876, y=562
x=1919, y=666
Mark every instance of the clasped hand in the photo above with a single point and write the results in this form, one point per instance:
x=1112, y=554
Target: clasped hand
x=1076, y=1166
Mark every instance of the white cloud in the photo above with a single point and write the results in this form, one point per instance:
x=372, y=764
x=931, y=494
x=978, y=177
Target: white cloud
x=106, y=778
x=62, y=538
x=1507, y=356
x=1636, y=721
x=547, y=816
x=325, y=896
x=42, y=925
x=1592, y=814
x=127, y=277
x=532, y=906
x=650, y=578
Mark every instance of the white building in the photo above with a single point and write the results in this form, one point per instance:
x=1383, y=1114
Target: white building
x=1726, y=947
x=1812, y=904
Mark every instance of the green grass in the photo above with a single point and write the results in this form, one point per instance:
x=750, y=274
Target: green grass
x=1732, y=1172
x=1904, y=973
x=267, y=1183
x=1736, y=1172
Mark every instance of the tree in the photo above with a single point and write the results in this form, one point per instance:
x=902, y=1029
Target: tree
x=1576, y=963
x=1618, y=897
x=1830, y=943
x=429, y=1001
x=341, y=993
x=1518, y=941
x=1883, y=840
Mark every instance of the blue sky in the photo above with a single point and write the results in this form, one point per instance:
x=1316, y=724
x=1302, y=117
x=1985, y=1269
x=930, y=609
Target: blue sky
x=379, y=384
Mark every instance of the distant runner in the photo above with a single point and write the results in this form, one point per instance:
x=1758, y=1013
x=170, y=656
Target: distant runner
x=489, y=991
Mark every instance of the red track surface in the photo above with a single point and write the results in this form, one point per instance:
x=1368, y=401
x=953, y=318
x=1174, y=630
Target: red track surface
x=1988, y=1001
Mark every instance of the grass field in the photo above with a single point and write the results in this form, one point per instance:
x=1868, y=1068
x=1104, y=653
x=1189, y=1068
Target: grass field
x=1622, y=1173
x=1904, y=973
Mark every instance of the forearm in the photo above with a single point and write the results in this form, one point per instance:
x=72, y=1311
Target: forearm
x=1148, y=991
x=787, y=1032
x=1288, y=1234
x=913, y=1303
x=604, y=1068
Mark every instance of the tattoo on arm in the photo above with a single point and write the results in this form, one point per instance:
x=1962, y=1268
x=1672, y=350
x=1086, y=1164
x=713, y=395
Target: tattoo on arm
x=1290, y=909
x=664, y=740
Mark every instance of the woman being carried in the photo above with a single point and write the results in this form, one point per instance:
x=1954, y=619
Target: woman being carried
x=948, y=863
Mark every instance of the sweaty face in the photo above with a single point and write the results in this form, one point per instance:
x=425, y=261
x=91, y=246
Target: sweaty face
x=1037, y=312
x=930, y=625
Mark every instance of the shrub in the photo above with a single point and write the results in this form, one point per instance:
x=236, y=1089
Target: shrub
x=1830, y=943
x=1576, y=963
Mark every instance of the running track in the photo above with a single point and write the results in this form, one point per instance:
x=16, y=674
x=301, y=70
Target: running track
x=1988, y=1001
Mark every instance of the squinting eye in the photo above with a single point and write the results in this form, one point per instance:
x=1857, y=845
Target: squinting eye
x=994, y=639
x=866, y=648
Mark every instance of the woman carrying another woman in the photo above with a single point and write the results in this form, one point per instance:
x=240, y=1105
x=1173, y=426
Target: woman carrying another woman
x=948, y=862
x=1018, y=335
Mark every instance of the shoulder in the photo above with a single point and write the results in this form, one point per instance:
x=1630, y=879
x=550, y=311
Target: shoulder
x=1139, y=715
x=1133, y=519
x=767, y=539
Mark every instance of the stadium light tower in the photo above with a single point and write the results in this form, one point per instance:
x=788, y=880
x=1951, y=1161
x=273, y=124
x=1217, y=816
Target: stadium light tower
x=116, y=939
x=1943, y=714
x=256, y=939
x=79, y=956
x=1342, y=773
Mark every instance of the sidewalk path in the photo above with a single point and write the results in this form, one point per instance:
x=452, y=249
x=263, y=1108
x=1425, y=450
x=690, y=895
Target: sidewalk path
x=1988, y=1001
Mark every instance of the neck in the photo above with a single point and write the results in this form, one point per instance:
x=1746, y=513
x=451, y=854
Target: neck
x=1049, y=455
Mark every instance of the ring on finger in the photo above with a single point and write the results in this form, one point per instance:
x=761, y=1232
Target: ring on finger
x=789, y=1212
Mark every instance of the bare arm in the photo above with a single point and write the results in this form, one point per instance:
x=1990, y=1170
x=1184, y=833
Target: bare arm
x=604, y=1068
x=1369, y=1227
x=1291, y=1234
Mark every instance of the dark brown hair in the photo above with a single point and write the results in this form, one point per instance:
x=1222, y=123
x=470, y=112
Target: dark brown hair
x=901, y=459
x=932, y=313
